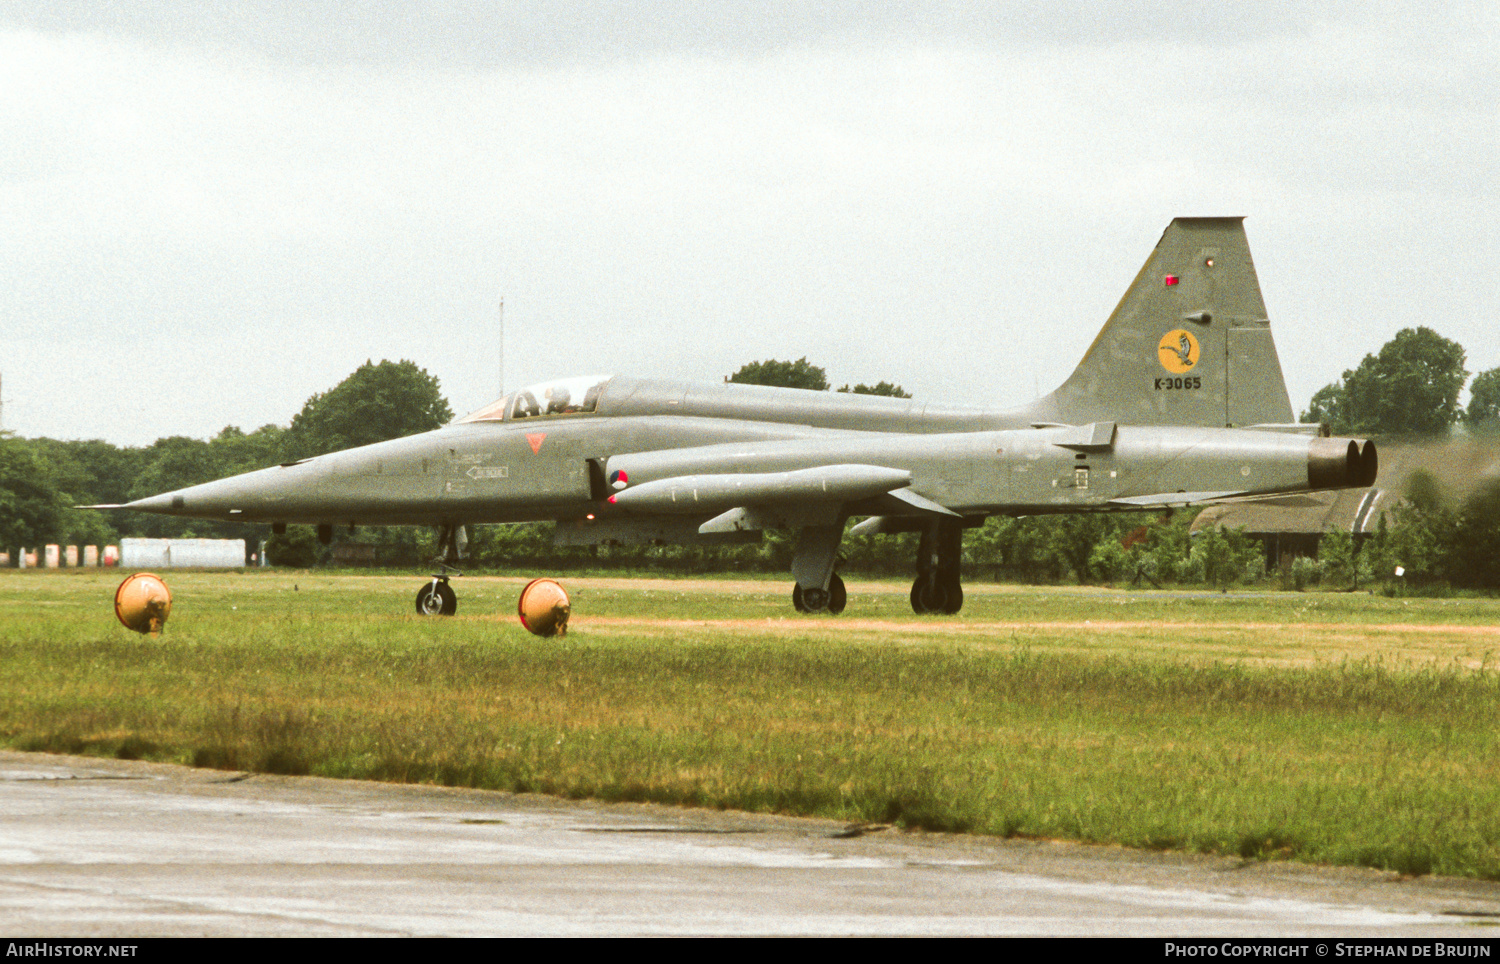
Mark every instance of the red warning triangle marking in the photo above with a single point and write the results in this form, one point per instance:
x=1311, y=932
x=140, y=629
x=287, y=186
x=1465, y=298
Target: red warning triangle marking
x=535, y=438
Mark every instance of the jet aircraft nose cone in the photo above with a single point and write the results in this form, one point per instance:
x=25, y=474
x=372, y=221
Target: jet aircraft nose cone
x=209, y=500
x=164, y=503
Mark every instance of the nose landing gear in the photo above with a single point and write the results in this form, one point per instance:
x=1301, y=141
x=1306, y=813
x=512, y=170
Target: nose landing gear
x=437, y=598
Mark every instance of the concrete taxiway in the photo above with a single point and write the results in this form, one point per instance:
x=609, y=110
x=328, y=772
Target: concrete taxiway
x=113, y=848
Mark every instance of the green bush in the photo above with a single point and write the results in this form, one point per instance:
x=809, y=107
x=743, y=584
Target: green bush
x=297, y=548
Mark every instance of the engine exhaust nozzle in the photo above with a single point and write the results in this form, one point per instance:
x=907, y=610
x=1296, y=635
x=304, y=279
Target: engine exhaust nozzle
x=1341, y=463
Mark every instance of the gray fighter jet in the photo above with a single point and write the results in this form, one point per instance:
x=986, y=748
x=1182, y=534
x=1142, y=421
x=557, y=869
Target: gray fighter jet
x=1179, y=401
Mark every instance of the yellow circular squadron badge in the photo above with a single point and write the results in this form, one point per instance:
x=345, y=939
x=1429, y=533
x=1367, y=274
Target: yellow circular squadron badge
x=1178, y=351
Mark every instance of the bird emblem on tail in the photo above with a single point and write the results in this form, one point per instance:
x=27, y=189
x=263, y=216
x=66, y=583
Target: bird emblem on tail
x=1179, y=351
x=1184, y=350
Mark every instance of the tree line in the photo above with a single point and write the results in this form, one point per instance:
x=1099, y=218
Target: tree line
x=1409, y=389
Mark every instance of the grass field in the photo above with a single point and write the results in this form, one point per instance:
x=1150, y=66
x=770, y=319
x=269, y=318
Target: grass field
x=1338, y=728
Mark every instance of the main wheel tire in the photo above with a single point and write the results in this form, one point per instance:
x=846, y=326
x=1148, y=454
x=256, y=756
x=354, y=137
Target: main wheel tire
x=797, y=602
x=929, y=596
x=838, y=596
x=436, y=599
x=816, y=600
x=955, y=596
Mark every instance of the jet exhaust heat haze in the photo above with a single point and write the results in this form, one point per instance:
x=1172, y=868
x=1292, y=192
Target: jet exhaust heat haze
x=1179, y=401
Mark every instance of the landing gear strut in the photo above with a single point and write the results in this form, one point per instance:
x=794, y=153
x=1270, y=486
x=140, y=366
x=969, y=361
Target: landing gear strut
x=937, y=588
x=437, y=598
x=818, y=588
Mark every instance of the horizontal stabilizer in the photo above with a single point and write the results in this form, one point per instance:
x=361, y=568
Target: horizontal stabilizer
x=1093, y=437
x=717, y=493
x=1172, y=499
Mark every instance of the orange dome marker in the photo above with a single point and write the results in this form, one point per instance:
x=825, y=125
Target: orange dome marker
x=143, y=602
x=544, y=608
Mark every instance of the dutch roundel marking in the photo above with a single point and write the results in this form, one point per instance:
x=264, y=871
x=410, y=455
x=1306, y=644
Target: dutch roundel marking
x=618, y=479
x=1177, y=351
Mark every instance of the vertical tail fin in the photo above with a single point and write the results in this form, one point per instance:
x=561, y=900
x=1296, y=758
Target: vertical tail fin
x=1189, y=344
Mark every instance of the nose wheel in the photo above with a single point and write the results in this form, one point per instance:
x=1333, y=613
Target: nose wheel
x=437, y=598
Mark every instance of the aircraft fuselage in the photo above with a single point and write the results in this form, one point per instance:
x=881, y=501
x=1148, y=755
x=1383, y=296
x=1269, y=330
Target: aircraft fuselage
x=494, y=472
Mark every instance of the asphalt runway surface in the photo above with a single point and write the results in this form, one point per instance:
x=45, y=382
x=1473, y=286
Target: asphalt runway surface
x=106, y=848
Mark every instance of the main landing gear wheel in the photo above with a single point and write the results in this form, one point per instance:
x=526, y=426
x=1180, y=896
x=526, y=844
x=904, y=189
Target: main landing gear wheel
x=955, y=597
x=833, y=599
x=932, y=595
x=838, y=597
x=437, y=598
x=809, y=600
x=927, y=596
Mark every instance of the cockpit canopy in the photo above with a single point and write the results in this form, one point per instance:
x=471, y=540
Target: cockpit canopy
x=563, y=396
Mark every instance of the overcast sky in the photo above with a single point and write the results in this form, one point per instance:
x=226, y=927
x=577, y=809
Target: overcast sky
x=209, y=212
